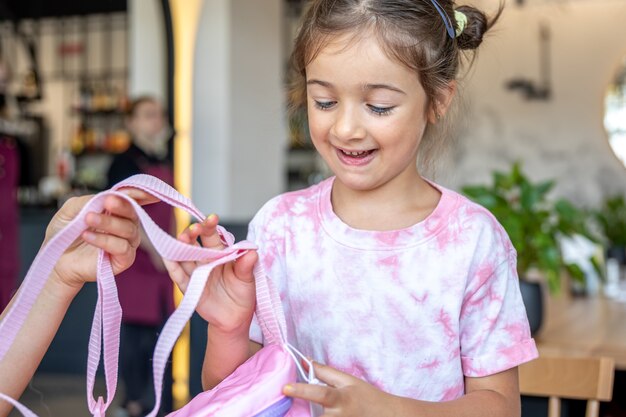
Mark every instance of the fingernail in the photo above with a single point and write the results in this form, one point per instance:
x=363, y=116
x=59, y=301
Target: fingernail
x=288, y=389
x=193, y=227
x=210, y=217
x=89, y=236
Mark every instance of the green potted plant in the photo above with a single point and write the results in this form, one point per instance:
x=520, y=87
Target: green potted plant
x=535, y=225
x=611, y=219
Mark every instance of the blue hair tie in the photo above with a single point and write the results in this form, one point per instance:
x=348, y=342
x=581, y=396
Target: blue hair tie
x=446, y=19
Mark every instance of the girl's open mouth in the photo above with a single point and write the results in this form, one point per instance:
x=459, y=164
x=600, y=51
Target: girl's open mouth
x=355, y=158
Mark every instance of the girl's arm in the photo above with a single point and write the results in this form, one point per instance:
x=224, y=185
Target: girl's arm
x=227, y=304
x=492, y=396
x=224, y=353
x=116, y=233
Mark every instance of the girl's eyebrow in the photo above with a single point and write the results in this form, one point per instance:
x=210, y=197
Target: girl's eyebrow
x=383, y=86
x=319, y=82
x=366, y=87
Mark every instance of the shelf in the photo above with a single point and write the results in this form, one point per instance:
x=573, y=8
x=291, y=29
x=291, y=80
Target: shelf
x=97, y=152
x=105, y=113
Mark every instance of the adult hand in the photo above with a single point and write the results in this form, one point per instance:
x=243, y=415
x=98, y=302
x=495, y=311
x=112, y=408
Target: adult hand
x=116, y=231
x=229, y=297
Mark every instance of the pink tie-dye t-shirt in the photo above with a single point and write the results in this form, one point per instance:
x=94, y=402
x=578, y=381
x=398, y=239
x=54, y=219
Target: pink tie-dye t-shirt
x=410, y=311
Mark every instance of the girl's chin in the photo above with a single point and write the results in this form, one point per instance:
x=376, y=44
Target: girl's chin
x=357, y=182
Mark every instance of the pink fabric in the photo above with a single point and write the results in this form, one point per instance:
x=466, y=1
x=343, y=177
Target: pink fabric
x=106, y=325
x=9, y=220
x=25, y=411
x=263, y=376
x=411, y=311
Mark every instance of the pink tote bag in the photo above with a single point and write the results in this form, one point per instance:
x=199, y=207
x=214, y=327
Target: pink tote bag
x=253, y=390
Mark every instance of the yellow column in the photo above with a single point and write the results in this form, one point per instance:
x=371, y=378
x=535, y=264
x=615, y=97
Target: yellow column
x=185, y=14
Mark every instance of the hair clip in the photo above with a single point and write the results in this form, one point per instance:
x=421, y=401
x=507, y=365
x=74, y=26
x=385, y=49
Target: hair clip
x=446, y=19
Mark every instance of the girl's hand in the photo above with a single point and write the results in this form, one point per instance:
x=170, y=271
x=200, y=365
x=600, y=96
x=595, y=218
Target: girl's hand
x=344, y=394
x=229, y=297
x=116, y=231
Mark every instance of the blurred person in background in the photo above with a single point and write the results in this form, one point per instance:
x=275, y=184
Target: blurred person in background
x=9, y=181
x=145, y=289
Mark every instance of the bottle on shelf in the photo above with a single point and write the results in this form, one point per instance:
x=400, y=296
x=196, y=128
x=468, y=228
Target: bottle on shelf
x=77, y=143
x=85, y=98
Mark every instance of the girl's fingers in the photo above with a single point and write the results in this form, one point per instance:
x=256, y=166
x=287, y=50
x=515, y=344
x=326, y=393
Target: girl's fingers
x=188, y=267
x=177, y=274
x=209, y=236
x=332, y=376
x=189, y=235
x=319, y=394
x=180, y=272
x=193, y=232
x=245, y=265
x=206, y=231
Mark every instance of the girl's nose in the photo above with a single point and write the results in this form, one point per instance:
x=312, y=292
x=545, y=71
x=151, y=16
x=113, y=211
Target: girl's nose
x=347, y=125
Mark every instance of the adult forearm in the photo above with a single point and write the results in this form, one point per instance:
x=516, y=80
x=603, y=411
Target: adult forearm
x=481, y=403
x=224, y=353
x=33, y=340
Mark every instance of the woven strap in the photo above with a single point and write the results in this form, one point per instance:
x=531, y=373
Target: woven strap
x=105, y=331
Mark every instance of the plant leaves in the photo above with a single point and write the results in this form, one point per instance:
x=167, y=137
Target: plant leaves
x=534, y=223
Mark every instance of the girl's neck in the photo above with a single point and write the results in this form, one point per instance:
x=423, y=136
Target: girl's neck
x=392, y=206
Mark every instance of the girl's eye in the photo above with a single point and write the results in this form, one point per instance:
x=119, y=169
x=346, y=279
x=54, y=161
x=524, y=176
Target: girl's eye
x=324, y=105
x=380, y=111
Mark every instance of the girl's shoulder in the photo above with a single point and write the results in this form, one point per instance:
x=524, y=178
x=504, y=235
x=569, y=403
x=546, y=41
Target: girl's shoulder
x=304, y=202
x=474, y=218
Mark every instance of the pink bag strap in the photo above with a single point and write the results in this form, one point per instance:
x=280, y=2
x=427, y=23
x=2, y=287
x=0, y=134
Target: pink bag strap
x=105, y=330
x=25, y=411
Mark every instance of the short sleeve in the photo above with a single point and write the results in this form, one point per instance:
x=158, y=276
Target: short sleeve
x=494, y=331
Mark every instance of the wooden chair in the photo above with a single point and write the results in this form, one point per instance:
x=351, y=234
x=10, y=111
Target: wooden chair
x=559, y=378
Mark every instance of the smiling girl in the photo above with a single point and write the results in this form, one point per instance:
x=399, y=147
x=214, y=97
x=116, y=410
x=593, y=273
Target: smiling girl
x=406, y=291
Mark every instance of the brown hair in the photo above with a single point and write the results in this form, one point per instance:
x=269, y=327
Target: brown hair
x=137, y=102
x=410, y=31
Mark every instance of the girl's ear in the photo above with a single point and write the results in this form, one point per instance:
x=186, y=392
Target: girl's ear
x=439, y=107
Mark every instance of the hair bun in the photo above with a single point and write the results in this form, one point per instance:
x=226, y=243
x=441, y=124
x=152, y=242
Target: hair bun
x=475, y=28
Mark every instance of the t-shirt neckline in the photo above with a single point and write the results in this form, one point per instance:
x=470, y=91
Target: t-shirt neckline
x=413, y=235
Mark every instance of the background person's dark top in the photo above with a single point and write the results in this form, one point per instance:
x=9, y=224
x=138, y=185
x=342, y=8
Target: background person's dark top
x=9, y=218
x=129, y=162
x=146, y=294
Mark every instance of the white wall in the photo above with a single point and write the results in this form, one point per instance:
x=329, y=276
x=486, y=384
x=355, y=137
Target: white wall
x=212, y=108
x=147, y=49
x=239, y=135
x=562, y=138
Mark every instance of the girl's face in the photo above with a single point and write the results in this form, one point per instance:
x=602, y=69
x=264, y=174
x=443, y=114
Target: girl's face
x=367, y=113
